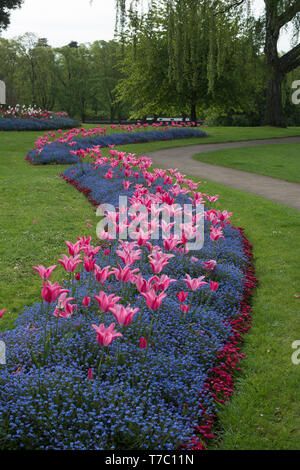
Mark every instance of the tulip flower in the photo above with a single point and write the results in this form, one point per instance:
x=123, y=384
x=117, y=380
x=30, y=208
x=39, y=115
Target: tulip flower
x=182, y=296
x=50, y=291
x=86, y=301
x=214, y=286
x=123, y=315
x=184, y=308
x=143, y=343
x=70, y=263
x=124, y=275
x=153, y=301
x=90, y=374
x=64, y=308
x=44, y=273
x=106, y=302
x=102, y=274
x=194, y=284
x=89, y=264
x=73, y=249
x=105, y=336
x=158, y=260
x=161, y=283
x=209, y=265
x=2, y=312
x=216, y=233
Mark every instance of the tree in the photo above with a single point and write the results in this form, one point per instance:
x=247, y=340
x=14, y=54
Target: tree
x=5, y=7
x=278, y=14
x=73, y=72
x=181, y=57
x=105, y=76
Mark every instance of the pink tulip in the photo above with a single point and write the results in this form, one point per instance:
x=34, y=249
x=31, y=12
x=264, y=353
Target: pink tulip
x=214, y=286
x=123, y=315
x=143, y=343
x=106, y=302
x=124, y=275
x=182, y=296
x=153, y=301
x=129, y=257
x=141, y=283
x=2, y=312
x=64, y=308
x=90, y=374
x=77, y=276
x=171, y=243
x=105, y=336
x=89, y=264
x=50, y=291
x=194, y=284
x=216, y=233
x=70, y=263
x=126, y=184
x=86, y=301
x=209, y=265
x=44, y=273
x=161, y=283
x=184, y=308
x=158, y=260
x=73, y=249
x=102, y=274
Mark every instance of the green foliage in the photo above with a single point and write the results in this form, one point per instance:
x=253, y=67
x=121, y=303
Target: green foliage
x=79, y=79
x=180, y=56
x=5, y=7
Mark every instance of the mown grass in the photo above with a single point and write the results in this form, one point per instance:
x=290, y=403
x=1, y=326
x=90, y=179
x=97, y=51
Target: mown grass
x=29, y=193
x=279, y=161
x=264, y=411
x=215, y=135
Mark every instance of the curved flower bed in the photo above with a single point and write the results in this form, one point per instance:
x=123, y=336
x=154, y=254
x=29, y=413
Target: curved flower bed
x=75, y=380
x=59, y=150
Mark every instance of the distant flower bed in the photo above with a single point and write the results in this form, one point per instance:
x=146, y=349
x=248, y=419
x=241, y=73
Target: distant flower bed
x=21, y=118
x=137, y=348
x=59, y=151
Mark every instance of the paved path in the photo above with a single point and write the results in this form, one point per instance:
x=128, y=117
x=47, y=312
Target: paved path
x=270, y=188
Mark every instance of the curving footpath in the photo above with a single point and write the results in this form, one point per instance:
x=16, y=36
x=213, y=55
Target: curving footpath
x=271, y=188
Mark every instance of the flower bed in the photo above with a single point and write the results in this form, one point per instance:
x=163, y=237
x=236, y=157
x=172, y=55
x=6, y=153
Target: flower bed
x=59, y=150
x=22, y=118
x=153, y=381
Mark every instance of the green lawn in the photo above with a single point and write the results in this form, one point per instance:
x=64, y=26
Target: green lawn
x=216, y=135
x=279, y=161
x=29, y=193
x=264, y=411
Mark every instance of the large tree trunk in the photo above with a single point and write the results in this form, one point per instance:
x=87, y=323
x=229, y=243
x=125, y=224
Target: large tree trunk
x=274, y=115
x=193, y=113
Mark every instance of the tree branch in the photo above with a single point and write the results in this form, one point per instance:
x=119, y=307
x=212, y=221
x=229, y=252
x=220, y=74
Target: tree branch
x=289, y=13
x=234, y=4
x=290, y=60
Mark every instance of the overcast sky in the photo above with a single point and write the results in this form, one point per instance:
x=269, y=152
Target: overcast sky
x=62, y=21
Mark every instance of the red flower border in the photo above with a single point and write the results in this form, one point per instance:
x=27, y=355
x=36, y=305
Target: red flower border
x=220, y=380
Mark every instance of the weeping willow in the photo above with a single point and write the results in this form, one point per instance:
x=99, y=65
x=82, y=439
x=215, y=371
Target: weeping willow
x=199, y=41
